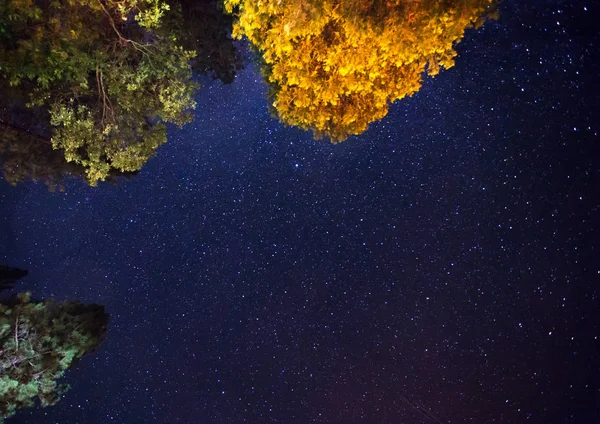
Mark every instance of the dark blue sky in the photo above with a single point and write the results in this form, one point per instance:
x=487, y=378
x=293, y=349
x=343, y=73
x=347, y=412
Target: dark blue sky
x=443, y=267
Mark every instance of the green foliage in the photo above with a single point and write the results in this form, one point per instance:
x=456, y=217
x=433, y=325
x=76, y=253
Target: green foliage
x=109, y=75
x=151, y=16
x=111, y=83
x=38, y=342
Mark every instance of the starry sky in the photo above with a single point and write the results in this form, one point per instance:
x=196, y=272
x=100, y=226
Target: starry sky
x=443, y=267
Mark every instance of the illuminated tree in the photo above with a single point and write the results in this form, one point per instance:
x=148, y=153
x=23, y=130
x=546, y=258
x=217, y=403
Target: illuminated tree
x=26, y=151
x=334, y=66
x=109, y=73
x=38, y=342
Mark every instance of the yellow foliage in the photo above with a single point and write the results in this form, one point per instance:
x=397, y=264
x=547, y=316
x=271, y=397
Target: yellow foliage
x=334, y=66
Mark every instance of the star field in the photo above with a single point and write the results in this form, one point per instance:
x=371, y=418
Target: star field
x=443, y=267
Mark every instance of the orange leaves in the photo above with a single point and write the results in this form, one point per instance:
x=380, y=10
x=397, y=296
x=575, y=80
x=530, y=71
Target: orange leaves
x=334, y=66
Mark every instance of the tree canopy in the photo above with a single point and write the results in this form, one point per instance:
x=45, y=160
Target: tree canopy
x=109, y=73
x=26, y=151
x=334, y=66
x=39, y=341
x=25, y=156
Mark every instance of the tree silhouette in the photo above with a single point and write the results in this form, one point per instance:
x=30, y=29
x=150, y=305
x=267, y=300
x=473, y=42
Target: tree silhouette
x=206, y=29
x=334, y=66
x=9, y=275
x=26, y=156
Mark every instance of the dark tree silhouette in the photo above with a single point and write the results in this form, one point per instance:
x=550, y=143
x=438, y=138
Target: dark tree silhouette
x=9, y=275
x=206, y=29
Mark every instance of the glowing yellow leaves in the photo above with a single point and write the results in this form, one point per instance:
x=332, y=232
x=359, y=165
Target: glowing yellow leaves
x=333, y=66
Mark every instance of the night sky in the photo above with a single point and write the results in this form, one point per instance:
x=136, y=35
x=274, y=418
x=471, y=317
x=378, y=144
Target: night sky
x=443, y=267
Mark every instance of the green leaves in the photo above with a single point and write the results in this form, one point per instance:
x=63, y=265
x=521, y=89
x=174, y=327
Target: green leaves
x=110, y=84
x=150, y=16
x=40, y=340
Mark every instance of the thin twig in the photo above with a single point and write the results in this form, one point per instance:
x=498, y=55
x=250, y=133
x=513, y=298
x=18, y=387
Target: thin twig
x=16, y=333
